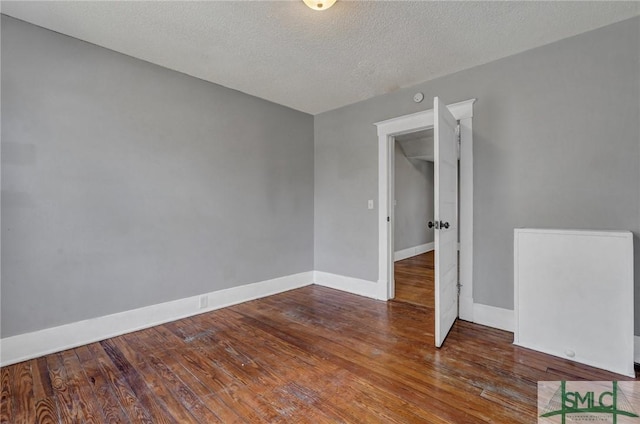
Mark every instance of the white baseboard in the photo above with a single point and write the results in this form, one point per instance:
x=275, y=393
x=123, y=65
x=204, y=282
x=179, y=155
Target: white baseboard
x=413, y=251
x=348, y=284
x=491, y=316
x=38, y=343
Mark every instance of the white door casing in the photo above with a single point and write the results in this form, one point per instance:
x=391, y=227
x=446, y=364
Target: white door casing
x=387, y=130
x=446, y=219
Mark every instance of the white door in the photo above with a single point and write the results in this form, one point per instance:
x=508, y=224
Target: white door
x=446, y=219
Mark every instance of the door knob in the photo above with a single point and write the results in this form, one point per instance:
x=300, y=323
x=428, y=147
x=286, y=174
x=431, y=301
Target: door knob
x=438, y=225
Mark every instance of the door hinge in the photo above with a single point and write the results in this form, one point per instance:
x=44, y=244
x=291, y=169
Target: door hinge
x=388, y=219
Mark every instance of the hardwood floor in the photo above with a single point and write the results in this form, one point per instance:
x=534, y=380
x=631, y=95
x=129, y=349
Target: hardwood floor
x=312, y=355
x=414, y=280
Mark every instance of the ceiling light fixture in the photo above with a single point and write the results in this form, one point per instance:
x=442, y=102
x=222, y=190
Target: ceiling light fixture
x=319, y=4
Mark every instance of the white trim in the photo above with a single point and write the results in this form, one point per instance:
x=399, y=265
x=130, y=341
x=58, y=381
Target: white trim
x=413, y=251
x=492, y=316
x=387, y=130
x=398, y=125
x=466, y=218
x=38, y=343
x=636, y=349
x=347, y=284
x=466, y=304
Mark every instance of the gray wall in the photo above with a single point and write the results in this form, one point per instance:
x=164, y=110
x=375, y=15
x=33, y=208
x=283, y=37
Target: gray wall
x=125, y=184
x=556, y=144
x=414, y=201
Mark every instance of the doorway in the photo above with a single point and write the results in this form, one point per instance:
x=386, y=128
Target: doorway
x=413, y=240
x=387, y=132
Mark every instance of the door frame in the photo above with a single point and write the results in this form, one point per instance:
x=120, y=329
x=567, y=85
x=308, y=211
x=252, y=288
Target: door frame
x=387, y=131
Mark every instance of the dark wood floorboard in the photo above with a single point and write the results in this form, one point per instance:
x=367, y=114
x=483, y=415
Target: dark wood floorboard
x=312, y=355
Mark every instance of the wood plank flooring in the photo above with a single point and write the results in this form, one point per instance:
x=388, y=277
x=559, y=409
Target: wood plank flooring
x=414, y=280
x=312, y=355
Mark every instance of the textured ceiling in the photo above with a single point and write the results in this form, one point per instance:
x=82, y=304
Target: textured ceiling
x=316, y=61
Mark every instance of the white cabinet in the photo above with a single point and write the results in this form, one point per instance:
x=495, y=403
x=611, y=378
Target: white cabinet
x=574, y=295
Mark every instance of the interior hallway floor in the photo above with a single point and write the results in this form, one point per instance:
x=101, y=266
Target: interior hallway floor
x=414, y=280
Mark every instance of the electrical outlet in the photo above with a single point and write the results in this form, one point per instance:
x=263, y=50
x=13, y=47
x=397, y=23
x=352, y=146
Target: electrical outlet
x=204, y=301
x=370, y=204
